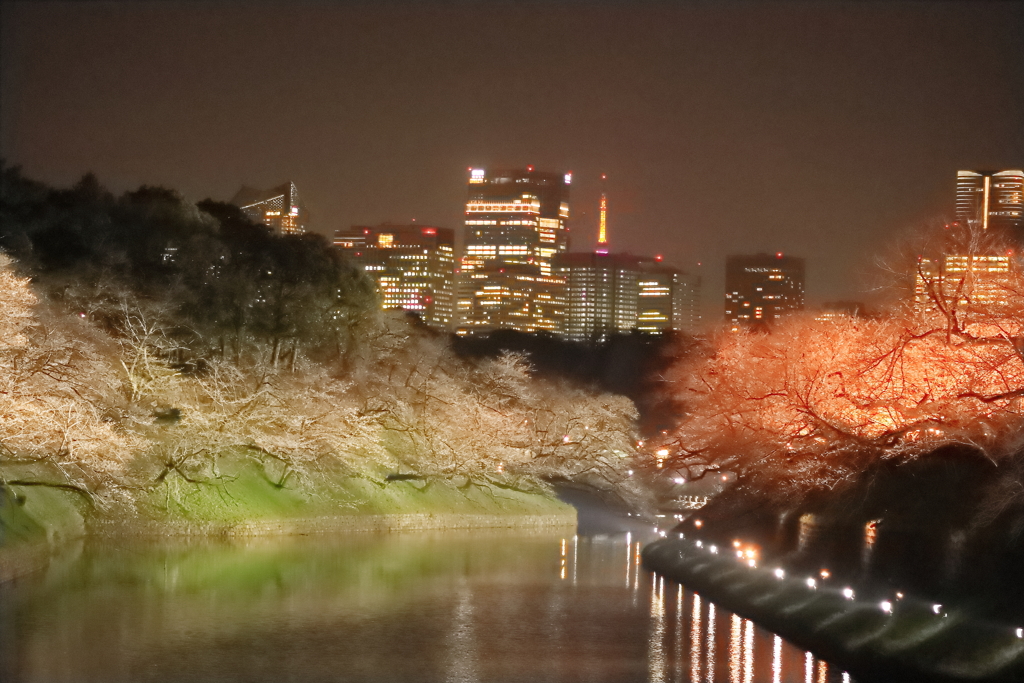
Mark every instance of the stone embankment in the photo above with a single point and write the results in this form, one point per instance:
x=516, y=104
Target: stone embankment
x=36, y=521
x=353, y=523
x=877, y=641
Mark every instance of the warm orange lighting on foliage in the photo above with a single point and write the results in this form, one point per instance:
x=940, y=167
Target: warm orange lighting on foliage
x=802, y=403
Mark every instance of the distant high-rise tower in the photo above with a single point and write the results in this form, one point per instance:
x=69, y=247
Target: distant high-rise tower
x=614, y=293
x=995, y=199
x=762, y=288
x=413, y=266
x=602, y=231
x=278, y=208
x=516, y=222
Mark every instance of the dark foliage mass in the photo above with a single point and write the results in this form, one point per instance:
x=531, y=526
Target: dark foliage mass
x=209, y=278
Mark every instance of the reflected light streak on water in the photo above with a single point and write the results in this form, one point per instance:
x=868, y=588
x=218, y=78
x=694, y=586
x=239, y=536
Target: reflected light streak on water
x=748, y=651
x=711, y=644
x=629, y=546
x=808, y=667
x=562, y=576
x=636, y=561
x=657, y=664
x=735, y=649
x=678, y=651
x=575, y=555
x=822, y=672
x=777, y=660
x=695, y=632
x=462, y=667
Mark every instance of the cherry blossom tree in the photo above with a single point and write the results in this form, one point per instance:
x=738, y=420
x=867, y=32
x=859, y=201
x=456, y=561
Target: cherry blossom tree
x=810, y=402
x=55, y=387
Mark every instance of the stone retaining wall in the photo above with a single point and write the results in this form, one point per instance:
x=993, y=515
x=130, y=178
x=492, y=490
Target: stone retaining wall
x=911, y=641
x=322, y=525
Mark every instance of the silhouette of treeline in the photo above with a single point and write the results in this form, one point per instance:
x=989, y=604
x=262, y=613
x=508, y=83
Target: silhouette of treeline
x=215, y=282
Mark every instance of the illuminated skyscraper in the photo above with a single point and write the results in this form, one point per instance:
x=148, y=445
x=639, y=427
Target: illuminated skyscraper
x=278, y=208
x=516, y=222
x=762, y=288
x=964, y=282
x=413, y=266
x=993, y=198
x=615, y=293
x=974, y=273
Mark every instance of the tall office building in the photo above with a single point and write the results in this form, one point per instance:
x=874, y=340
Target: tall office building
x=974, y=275
x=995, y=199
x=667, y=299
x=278, y=208
x=516, y=222
x=762, y=288
x=413, y=266
x=966, y=282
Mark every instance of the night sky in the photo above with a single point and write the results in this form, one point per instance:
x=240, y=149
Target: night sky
x=816, y=129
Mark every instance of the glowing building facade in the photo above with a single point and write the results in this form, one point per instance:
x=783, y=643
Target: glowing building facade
x=762, y=288
x=516, y=223
x=413, y=266
x=615, y=293
x=993, y=198
x=278, y=208
x=976, y=277
x=968, y=282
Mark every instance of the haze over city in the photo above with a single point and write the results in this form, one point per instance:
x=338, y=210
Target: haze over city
x=815, y=129
x=386, y=341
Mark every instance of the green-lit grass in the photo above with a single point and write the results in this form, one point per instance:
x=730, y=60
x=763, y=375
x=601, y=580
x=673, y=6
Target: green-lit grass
x=36, y=514
x=245, y=492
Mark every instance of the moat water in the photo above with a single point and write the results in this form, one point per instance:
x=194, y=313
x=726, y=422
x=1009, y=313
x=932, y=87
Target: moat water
x=457, y=607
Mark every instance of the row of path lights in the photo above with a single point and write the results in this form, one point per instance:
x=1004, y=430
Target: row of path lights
x=750, y=554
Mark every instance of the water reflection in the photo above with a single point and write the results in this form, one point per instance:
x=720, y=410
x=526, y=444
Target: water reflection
x=459, y=607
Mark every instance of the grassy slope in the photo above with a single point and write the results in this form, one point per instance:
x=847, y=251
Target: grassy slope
x=38, y=514
x=247, y=492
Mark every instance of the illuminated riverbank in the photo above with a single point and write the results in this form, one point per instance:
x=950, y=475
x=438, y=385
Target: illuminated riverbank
x=902, y=640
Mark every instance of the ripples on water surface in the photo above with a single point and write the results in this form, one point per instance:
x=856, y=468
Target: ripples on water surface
x=456, y=607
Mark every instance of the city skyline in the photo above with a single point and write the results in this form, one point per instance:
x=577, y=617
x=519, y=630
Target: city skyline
x=820, y=130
